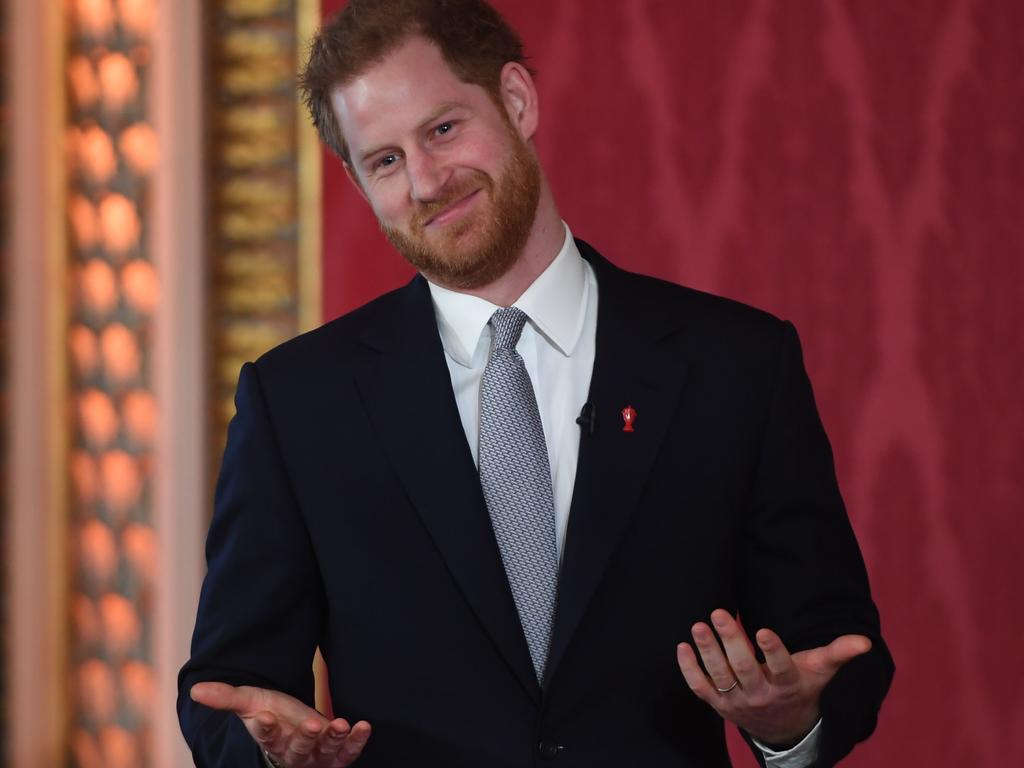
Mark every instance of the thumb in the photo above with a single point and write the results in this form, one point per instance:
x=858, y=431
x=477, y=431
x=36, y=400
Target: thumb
x=222, y=696
x=247, y=701
x=826, y=660
x=846, y=647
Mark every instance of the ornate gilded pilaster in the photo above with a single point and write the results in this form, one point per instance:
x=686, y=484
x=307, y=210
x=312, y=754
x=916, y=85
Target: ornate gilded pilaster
x=111, y=153
x=264, y=189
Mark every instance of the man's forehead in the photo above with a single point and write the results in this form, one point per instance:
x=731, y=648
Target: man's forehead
x=414, y=64
x=365, y=111
x=407, y=86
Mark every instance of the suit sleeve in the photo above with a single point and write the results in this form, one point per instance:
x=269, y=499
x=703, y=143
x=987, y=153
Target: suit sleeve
x=802, y=573
x=261, y=606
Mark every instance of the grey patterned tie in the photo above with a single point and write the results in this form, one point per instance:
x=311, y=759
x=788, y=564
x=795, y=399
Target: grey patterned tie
x=516, y=481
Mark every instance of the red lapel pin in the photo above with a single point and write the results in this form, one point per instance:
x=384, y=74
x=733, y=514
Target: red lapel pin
x=628, y=417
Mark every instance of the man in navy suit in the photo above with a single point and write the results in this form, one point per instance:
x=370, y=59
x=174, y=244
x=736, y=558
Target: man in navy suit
x=691, y=482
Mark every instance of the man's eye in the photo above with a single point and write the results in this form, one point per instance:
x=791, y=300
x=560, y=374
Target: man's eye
x=444, y=128
x=387, y=160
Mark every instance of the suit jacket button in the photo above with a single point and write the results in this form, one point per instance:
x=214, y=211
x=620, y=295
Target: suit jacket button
x=547, y=749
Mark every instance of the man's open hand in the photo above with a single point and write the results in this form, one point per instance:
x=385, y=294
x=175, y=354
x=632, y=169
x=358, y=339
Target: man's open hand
x=777, y=702
x=294, y=735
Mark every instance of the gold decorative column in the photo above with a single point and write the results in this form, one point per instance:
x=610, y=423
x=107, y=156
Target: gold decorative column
x=264, y=170
x=111, y=153
x=264, y=231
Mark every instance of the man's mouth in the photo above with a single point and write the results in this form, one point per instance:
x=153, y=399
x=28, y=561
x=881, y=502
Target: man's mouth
x=453, y=211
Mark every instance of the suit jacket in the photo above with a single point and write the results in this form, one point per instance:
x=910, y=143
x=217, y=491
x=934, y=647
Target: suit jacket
x=349, y=515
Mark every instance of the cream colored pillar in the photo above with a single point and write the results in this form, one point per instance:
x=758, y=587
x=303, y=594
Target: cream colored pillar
x=181, y=503
x=35, y=622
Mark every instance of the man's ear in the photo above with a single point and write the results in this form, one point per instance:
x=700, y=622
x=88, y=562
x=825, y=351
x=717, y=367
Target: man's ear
x=355, y=180
x=519, y=95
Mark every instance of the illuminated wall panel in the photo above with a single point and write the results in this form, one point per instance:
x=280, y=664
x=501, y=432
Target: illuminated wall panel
x=111, y=153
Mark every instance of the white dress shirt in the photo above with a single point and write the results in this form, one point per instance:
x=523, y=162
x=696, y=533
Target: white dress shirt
x=557, y=346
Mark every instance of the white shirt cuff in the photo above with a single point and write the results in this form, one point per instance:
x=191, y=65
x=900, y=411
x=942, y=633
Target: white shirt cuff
x=800, y=756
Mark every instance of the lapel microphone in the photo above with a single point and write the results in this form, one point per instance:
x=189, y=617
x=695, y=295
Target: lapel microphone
x=587, y=418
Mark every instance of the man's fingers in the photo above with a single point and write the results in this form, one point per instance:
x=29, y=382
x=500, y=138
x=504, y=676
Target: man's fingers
x=266, y=729
x=739, y=654
x=711, y=654
x=354, y=742
x=303, y=741
x=776, y=658
x=332, y=739
x=344, y=744
x=286, y=727
x=692, y=673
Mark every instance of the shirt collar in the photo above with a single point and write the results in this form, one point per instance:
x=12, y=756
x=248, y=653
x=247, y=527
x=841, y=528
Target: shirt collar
x=556, y=303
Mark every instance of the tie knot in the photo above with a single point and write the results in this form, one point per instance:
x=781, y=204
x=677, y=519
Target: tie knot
x=508, y=326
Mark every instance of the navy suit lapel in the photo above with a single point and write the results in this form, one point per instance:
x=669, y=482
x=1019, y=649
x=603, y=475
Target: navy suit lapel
x=633, y=366
x=407, y=394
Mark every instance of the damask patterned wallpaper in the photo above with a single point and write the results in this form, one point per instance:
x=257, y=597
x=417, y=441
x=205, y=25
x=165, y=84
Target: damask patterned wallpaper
x=856, y=167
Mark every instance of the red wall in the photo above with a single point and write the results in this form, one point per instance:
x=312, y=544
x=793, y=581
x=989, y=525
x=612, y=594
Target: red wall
x=856, y=167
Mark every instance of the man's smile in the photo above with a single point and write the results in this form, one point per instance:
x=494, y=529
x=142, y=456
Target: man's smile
x=453, y=211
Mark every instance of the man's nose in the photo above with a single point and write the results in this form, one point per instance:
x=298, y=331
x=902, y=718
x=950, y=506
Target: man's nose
x=427, y=177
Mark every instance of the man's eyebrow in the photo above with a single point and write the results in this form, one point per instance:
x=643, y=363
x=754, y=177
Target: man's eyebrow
x=448, y=106
x=436, y=114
